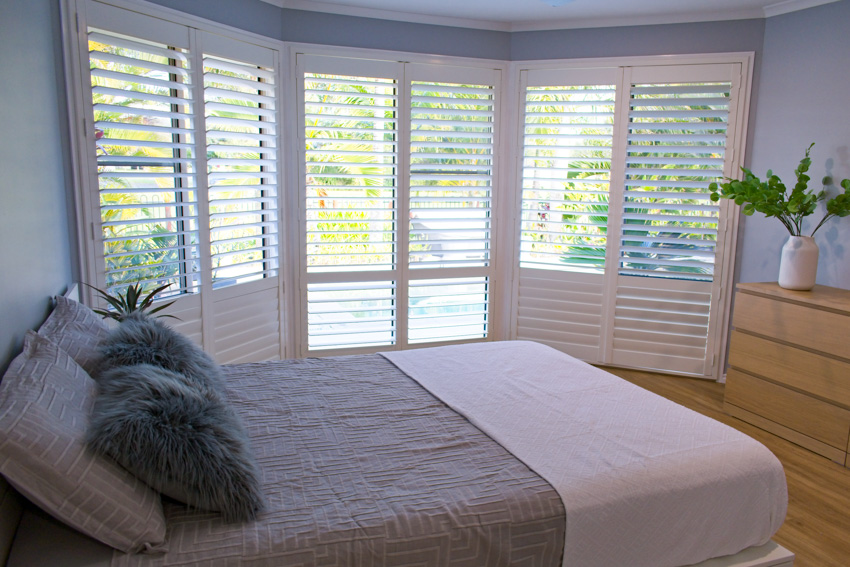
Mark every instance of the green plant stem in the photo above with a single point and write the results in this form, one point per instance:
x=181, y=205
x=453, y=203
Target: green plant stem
x=823, y=220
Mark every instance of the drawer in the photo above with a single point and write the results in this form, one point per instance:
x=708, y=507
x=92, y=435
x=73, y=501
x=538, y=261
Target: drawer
x=817, y=419
x=822, y=376
x=820, y=330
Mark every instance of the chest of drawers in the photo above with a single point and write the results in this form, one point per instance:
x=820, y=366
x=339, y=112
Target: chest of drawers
x=789, y=365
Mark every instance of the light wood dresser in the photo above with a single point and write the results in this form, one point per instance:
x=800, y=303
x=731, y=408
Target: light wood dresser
x=789, y=365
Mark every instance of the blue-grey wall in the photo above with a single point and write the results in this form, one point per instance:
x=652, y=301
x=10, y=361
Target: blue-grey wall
x=348, y=31
x=702, y=37
x=804, y=97
x=35, y=247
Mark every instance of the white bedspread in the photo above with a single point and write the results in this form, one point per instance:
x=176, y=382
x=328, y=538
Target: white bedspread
x=645, y=482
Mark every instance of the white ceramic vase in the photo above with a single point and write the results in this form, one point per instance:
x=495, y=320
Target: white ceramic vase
x=798, y=267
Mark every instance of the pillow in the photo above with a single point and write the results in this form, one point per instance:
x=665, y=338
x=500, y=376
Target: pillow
x=45, y=402
x=141, y=339
x=177, y=438
x=77, y=330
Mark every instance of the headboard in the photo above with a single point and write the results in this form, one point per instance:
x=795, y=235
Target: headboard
x=11, y=508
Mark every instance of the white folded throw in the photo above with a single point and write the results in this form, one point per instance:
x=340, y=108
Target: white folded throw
x=645, y=482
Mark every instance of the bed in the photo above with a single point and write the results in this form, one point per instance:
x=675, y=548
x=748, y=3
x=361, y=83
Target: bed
x=505, y=453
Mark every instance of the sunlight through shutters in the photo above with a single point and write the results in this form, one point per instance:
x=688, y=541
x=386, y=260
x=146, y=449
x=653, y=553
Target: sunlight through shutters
x=567, y=142
x=351, y=182
x=451, y=180
x=241, y=135
x=142, y=100
x=451, y=154
x=676, y=147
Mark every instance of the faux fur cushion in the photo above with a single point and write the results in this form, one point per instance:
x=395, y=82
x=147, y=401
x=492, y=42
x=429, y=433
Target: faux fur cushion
x=163, y=413
x=186, y=444
x=141, y=339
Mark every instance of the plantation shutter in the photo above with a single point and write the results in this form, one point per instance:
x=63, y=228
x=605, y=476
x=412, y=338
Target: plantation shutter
x=678, y=124
x=241, y=136
x=351, y=184
x=182, y=184
x=242, y=124
x=567, y=141
x=653, y=301
x=452, y=129
x=142, y=99
x=398, y=179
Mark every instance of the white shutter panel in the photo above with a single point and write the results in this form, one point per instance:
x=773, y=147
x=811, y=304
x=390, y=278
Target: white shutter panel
x=169, y=214
x=351, y=172
x=143, y=120
x=242, y=124
x=566, y=173
x=241, y=135
x=567, y=140
x=451, y=178
x=451, y=161
x=668, y=246
x=676, y=147
x=350, y=208
x=621, y=248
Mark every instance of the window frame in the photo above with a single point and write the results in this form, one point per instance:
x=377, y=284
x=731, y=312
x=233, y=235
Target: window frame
x=506, y=190
x=499, y=191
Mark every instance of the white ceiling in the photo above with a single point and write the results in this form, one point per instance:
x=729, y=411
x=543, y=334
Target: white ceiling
x=525, y=15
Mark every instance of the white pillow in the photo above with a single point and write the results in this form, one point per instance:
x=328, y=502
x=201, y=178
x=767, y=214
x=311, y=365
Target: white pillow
x=45, y=402
x=77, y=330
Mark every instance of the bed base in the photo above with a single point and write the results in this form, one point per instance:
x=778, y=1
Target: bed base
x=770, y=554
x=45, y=541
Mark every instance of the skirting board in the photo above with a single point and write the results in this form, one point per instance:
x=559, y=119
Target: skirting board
x=770, y=554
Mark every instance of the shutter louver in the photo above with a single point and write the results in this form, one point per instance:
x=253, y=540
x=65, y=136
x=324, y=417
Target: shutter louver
x=348, y=315
x=448, y=309
x=241, y=137
x=451, y=160
x=676, y=147
x=142, y=102
x=566, y=173
x=351, y=172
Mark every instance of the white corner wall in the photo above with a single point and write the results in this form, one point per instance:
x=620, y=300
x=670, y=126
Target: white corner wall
x=803, y=97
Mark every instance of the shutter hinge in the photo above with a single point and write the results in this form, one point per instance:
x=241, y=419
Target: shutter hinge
x=91, y=225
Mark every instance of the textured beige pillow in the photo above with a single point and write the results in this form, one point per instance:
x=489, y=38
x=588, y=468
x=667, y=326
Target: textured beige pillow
x=45, y=403
x=77, y=330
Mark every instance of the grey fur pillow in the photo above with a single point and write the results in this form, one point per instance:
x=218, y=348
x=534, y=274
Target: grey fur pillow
x=141, y=339
x=177, y=438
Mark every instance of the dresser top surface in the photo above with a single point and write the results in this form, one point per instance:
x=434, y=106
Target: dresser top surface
x=821, y=296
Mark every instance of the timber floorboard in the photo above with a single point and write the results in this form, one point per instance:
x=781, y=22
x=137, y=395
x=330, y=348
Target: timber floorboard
x=817, y=526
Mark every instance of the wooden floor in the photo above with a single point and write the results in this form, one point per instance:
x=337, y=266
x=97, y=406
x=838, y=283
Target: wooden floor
x=817, y=527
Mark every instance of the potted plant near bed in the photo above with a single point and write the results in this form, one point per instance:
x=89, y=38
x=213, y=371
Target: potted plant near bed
x=799, y=261
x=131, y=301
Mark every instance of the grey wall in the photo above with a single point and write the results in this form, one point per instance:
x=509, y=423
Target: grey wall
x=35, y=249
x=348, y=31
x=804, y=97
x=703, y=37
